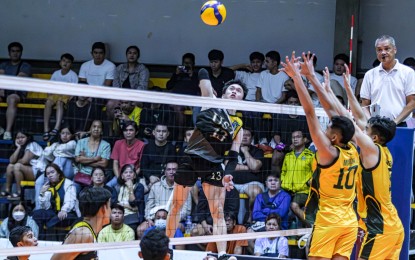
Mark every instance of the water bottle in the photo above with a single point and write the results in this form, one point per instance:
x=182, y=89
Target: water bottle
x=188, y=227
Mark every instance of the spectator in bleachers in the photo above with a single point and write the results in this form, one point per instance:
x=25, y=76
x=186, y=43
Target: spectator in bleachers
x=22, y=236
x=159, y=221
x=65, y=74
x=19, y=68
x=281, y=140
x=92, y=151
x=23, y=163
x=275, y=200
x=270, y=86
x=249, y=73
x=159, y=196
x=130, y=195
x=410, y=62
x=80, y=114
x=273, y=246
x=296, y=173
x=117, y=231
x=153, y=114
x=395, y=96
x=133, y=74
x=218, y=74
x=61, y=153
x=99, y=179
x=126, y=111
x=156, y=154
x=18, y=216
x=184, y=81
x=247, y=175
x=339, y=61
x=100, y=72
x=58, y=203
x=235, y=246
x=126, y=151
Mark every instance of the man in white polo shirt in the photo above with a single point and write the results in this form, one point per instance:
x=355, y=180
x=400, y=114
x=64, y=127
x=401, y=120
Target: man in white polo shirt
x=391, y=85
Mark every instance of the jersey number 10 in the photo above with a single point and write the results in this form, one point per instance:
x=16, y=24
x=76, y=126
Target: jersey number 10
x=347, y=184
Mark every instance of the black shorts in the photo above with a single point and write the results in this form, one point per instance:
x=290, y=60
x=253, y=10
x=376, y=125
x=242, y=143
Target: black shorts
x=191, y=167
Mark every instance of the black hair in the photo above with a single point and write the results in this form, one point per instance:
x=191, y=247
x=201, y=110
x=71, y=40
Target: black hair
x=57, y=169
x=238, y=82
x=275, y=56
x=70, y=130
x=216, y=55
x=375, y=63
x=98, y=45
x=17, y=233
x=129, y=123
x=345, y=126
x=154, y=245
x=23, y=147
x=230, y=215
x=250, y=130
x=292, y=94
x=162, y=124
x=410, y=61
x=190, y=56
x=123, y=168
x=67, y=56
x=135, y=48
x=384, y=127
x=15, y=44
x=256, y=55
x=118, y=206
x=273, y=174
x=91, y=199
x=343, y=57
x=12, y=223
x=275, y=216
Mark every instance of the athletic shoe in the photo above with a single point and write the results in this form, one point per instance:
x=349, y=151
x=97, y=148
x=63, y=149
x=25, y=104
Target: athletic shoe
x=7, y=136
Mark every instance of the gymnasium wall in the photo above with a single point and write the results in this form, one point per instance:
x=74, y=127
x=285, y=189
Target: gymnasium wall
x=165, y=29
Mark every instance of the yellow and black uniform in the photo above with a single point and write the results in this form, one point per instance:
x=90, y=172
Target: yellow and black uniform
x=384, y=230
x=330, y=204
x=212, y=137
x=88, y=255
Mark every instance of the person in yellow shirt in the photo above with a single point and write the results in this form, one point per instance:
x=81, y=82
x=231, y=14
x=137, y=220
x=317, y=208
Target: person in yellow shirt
x=296, y=173
x=330, y=203
x=117, y=231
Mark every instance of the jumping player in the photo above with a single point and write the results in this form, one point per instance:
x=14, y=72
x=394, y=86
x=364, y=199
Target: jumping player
x=384, y=231
x=216, y=131
x=329, y=205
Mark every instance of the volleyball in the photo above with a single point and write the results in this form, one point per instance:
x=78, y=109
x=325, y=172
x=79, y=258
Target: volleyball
x=213, y=13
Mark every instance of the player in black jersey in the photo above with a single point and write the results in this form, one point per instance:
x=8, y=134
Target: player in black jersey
x=217, y=131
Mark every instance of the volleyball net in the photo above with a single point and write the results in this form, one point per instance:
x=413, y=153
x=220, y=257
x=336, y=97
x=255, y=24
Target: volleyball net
x=274, y=123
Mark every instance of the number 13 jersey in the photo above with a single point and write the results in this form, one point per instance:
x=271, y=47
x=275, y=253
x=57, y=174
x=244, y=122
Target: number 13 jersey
x=333, y=190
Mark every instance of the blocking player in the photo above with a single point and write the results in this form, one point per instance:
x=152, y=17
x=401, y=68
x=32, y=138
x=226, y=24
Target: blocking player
x=384, y=231
x=216, y=131
x=329, y=205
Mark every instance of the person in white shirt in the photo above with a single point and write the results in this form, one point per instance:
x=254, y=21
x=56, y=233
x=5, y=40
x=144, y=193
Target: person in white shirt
x=391, y=85
x=338, y=69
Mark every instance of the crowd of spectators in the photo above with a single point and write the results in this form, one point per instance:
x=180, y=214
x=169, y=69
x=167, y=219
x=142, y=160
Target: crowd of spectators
x=138, y=162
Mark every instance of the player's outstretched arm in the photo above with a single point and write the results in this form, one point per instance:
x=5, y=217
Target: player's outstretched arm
x=204, y=83
x=327, y=152
x=357, y=110
x=307, y=69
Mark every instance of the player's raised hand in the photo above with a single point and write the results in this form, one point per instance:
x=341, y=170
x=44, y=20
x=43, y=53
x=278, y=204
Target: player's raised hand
x=227, y=182
x=326, y=83
x=291, y=66
x=307, y=66
x=346, y=77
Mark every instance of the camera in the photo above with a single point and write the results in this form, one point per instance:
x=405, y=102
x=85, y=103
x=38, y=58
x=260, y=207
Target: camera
x=183, y=69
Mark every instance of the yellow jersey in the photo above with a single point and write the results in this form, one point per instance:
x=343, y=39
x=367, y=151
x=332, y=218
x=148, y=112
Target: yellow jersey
x=332, y=191
x=374, y=196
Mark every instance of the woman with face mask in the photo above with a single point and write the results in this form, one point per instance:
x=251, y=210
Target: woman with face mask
x=17, y=217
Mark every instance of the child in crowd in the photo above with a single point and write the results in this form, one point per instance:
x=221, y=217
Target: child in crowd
x=18, y=216
x=22, y=236
x=65, y=74
x=23, y=164
x=61, y=153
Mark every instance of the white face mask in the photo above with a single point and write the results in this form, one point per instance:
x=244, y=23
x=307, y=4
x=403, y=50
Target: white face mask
x=18, y=215
x=160, y=223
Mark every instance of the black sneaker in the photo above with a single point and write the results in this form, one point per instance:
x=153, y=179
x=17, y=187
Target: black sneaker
x=224, y=257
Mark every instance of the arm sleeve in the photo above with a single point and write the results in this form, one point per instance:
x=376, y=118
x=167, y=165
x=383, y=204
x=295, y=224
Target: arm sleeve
x=143, y=78
x=70, y=199
x=139, y=201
